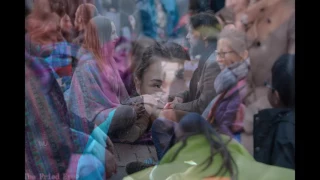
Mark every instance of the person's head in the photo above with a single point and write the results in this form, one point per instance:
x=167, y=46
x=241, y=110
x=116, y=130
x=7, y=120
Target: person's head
x=84, y=13
x=198, y=6
x=194, y=124
x=100, y=38
x=56, y=6
x=66, y=27
x=175, y=68
x=203, y=28
x=44, y=29
x=149, y=74
x=282, y=87
x=178, y=53
x=66, y=24
x=231, y=47
x=137, y=49
x=237, y=5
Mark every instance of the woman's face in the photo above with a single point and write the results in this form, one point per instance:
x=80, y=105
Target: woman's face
x=153, y=79
x=53, y=34
x=193, y=36
x=225, y=54
x=114, y=35
x=66, y=24
x=78, y=21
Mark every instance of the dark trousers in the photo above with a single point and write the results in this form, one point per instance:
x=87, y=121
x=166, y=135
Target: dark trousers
x=163, y=136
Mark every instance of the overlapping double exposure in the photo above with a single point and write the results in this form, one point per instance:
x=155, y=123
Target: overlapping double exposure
x=209, y=85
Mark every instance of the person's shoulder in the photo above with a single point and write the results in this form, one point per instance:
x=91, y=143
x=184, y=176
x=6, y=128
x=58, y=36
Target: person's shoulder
x=86, y=61
x=211, y=63
x=211, y=59
x=286, y=126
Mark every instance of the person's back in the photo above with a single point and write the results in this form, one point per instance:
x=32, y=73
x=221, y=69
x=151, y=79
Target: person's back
x=200, y=152
x=44, y=108
x=274, y=129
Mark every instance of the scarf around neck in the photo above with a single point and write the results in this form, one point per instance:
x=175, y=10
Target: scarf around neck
x=231, y=75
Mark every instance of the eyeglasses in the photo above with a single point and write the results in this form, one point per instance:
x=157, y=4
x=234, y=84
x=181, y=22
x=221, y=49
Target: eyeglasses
x=268, y=85
x=222, y=54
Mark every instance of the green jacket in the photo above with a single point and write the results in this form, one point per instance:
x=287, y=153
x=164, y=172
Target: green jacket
x=187, y=164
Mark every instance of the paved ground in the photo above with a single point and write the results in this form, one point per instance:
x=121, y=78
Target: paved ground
x=127, y=153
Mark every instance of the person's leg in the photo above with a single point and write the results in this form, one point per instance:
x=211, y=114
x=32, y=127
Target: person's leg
x=162, y=131
x=126, y=125
x=124, y=117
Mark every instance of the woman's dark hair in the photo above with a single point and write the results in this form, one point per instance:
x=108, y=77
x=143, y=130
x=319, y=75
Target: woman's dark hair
x=137, y=49
x=208, y=22
x=195, y=124
x=58, y=6
x=283, y=74
x=197, y=6
x=177, y=51
x=148, y=58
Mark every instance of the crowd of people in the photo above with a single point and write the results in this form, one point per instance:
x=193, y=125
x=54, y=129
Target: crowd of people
x=92, y=79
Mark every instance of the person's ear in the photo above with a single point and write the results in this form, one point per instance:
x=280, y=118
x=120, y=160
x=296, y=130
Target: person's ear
x=245, y=55
x=277, y=100
x=204, y=39
x=137, y=83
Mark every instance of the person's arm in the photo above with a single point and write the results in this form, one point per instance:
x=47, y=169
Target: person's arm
x=210, y=72
x=183, y=95
x=228, y=116
x=89, y=100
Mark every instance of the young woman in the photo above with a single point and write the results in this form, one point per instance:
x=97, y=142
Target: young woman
x=137, y=48
x=202, y=153
x=225, y=112
x=83, y=15
x=97, y=93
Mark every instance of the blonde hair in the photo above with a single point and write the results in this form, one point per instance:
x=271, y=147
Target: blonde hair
x=237, y=39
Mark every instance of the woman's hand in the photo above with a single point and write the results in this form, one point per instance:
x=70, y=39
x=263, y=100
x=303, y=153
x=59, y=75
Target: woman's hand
x=177, y=100
x=110, y=146
x=111, y=164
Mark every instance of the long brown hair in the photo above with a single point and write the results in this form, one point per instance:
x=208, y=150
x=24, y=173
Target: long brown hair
x=56, y=6
x=86, y=12
x=41, y=27
x=97, y=40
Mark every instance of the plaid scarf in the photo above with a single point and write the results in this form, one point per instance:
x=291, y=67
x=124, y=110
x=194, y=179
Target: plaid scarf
x=226, y=80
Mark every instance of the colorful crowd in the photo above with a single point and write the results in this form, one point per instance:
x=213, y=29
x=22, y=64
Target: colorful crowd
x=210, y=86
